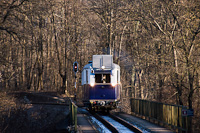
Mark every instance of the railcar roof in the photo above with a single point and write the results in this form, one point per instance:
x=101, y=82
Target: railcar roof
x=115, y=66
x=88, y=66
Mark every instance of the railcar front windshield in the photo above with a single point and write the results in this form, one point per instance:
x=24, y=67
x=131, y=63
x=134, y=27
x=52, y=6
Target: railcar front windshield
x=102, y=78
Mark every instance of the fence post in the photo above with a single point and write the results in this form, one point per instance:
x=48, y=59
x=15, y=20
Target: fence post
x=73, y=115
x=75, y=118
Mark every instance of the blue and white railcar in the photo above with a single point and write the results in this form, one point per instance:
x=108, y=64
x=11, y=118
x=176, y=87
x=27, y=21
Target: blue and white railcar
x=101, y=82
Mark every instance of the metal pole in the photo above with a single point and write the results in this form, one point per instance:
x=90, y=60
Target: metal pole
x=75, y=89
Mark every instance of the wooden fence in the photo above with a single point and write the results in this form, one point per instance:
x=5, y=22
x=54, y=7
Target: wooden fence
x=165, y=114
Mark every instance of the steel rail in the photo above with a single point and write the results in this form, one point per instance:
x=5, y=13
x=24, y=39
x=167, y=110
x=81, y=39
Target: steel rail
x=126, y=124
x=105, y=122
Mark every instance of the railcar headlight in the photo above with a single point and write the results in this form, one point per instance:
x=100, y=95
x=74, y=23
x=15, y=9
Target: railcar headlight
x=92, y=84
x=113, y=84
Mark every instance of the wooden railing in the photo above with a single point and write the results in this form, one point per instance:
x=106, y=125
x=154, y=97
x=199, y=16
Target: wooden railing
x=160, y=113
x=73, y=115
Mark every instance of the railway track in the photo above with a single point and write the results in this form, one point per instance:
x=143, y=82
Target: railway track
x=115, y=124
x=126, y=124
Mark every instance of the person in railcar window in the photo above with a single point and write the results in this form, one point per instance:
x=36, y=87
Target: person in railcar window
x=102, y=78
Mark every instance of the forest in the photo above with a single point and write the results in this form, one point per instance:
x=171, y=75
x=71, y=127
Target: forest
x=155, y=42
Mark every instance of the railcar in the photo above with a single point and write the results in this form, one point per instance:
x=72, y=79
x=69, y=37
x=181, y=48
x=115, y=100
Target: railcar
x=101, y=85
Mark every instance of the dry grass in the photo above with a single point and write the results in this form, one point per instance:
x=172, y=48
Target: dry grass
x=7, y=106
x=17, y=117
x=6, y=102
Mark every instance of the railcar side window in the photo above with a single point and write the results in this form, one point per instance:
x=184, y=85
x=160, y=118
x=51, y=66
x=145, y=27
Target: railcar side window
x=117, y=76
x=86, y=76
x=102, y=78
